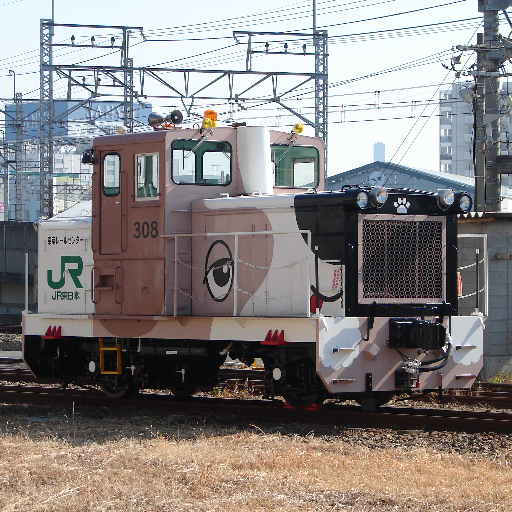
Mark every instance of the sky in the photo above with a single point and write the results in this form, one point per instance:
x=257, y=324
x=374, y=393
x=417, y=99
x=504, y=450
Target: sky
x=387, y=61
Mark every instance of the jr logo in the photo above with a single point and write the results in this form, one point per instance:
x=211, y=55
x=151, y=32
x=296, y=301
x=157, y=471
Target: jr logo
x=73, y=272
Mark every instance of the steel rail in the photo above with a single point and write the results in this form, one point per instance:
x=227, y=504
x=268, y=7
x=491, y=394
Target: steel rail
x=267, y=410
x=484, y=394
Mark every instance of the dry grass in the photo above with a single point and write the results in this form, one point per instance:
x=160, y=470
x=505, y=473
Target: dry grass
x=501, y=378
x=61, y=466
x=243, y=390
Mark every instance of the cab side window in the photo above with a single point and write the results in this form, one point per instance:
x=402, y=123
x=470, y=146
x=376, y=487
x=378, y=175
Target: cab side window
x=111, y=174
x=295, y=167
x=146, y=177
x=201, y=163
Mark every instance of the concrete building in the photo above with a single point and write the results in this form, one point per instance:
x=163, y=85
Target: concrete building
x=498, y=330
x=455, y=132
x=17, y=239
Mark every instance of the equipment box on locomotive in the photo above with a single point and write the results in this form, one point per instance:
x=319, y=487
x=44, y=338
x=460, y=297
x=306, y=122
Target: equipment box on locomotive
x=65, y=261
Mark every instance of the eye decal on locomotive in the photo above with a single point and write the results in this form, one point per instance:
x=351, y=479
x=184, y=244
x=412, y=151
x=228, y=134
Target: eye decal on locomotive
x=218, y=275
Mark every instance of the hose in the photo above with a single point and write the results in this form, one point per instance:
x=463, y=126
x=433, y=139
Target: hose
x=443, y=358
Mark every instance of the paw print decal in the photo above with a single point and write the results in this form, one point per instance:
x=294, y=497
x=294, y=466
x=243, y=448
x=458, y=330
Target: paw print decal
x=401, y=205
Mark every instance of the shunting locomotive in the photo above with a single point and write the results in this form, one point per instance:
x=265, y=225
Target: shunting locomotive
x=210, y=242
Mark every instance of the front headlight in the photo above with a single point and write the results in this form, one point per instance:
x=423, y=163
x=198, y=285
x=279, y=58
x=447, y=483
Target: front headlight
x=378, y=196
x=464, y=201
x=446, y=197
x=362, y=199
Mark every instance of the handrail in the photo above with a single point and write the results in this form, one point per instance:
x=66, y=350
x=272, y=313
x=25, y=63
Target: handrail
x=236, y=234
x=479, y=259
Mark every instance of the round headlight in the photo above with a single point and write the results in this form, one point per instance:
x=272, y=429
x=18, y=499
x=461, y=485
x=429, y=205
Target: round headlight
x=378, y=195
x=362, y=199
x=465, y=203
x=446, y=197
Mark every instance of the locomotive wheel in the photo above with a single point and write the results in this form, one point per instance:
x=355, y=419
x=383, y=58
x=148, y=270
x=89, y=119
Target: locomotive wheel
x=304, y=399
x=183, y=390
x=380, y=398
x=118, y=391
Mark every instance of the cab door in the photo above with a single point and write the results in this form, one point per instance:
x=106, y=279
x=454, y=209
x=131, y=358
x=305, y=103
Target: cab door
x=111, y=203
x=128, y=220
x=109, y=237
x=144, y=259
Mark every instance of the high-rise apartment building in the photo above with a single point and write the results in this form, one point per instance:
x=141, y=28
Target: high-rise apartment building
x=456, y=133
x=456, y=120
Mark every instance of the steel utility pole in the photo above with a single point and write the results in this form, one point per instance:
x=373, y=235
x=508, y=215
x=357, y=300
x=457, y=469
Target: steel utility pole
x=492, y=51
x=19, y=157
x=5, y=171
x=480, y=134
x=321, y=94
x=46, y=115
x=491, y=63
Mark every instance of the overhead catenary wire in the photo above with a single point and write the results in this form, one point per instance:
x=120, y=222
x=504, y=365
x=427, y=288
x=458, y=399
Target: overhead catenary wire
x=217, y=26
x=243, y=19
x=394, y=14
x=380, y=34
x=58, y=54
x=12, y=2
x=421, y=61
x=430, y=28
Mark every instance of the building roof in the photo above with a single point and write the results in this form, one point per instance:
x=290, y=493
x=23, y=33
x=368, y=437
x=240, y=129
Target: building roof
x=395, y=175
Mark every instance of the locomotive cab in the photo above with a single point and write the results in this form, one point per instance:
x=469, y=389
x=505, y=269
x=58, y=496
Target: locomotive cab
x=144, y=186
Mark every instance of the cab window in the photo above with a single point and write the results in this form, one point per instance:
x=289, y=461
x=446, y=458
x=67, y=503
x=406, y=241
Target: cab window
x=146, y=177
x=111, y=174
x=201, y=163
x=295, y=167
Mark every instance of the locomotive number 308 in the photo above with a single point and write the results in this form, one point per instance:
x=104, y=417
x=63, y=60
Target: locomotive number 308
x=145, y=229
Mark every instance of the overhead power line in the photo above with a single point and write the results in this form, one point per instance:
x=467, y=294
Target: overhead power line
x=415, y=30
x=282, y=17
x=232, y=23
x=13, y=2
x=393, y=14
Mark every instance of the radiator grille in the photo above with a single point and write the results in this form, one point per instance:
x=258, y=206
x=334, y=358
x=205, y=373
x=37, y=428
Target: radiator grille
x=402, y=259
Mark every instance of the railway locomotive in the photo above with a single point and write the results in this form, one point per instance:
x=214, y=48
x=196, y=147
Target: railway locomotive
x=210, y=242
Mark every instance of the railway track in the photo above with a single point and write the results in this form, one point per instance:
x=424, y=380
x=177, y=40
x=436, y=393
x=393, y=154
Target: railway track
x=498, y=396
x=274, y=410
x=34, y=391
